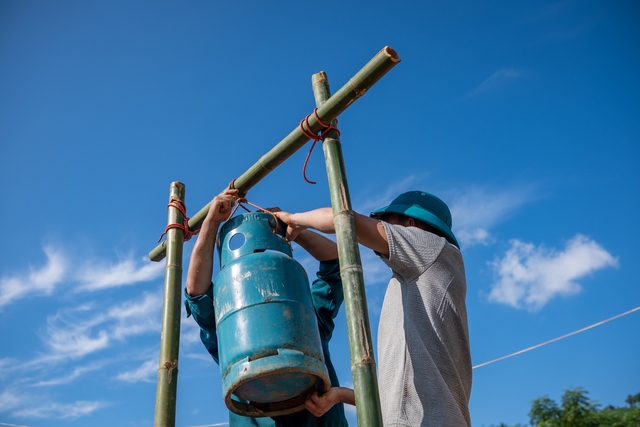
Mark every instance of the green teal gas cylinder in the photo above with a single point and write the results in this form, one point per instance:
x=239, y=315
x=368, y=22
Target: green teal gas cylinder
x=269, y=345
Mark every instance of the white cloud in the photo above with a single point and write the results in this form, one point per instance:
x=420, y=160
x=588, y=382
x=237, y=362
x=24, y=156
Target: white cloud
x=76, y=373
x=529, y=276
x=474, y=236
x=6, y=366
x=475, y=210
x=495, y=81
x=86, y=329
x=41, y=281
x=22, y=405
x=8, y=401
x=147, y=372
x=62, y=411
x=384, y=197
x=95, y=277
x=76, y=341
x=136, y=317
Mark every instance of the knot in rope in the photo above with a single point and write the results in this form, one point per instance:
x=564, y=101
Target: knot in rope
x=186, y=233
x=242, y=200
x=170, y=367
x=315, y=137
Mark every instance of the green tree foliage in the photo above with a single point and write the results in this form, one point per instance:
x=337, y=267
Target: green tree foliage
x=577, y=410
x=544, y=412
x=633, y=400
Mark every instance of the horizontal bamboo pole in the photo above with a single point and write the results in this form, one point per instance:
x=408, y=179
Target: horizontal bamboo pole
x=357, y=86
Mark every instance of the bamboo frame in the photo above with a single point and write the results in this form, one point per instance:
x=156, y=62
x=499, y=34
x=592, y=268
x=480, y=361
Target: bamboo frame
x=360, y=342
x=363, y=365
x=166, y=389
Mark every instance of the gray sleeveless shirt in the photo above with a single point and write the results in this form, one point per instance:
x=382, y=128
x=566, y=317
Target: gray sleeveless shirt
x=423, y=338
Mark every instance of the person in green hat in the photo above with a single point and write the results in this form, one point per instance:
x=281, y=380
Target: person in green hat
x=423, y=339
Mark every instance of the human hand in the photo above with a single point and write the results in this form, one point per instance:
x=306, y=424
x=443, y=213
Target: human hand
x=293, y=229
x=318, y=405
x=221, y=205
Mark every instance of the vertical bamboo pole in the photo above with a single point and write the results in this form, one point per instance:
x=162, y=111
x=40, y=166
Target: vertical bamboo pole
x=363, y=365
x=165, y=413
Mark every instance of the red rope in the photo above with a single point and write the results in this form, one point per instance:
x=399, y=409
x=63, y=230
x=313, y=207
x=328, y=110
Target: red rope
x=316, y=137
x=186, y=233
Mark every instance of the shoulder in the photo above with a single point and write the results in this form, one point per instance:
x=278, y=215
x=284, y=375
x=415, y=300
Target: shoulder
x=405, y=238
x=412, y=250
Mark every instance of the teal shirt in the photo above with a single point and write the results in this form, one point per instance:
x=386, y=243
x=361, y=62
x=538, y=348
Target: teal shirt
x=327, y=297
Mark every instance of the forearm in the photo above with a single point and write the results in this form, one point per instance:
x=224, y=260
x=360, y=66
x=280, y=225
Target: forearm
x=345, y=395
x=369, y=231
x=201, y=264
x=318, y=246
x=318, y=219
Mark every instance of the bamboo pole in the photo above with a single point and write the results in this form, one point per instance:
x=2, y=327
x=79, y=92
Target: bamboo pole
x=357, y=86
x=166, y=390
x=363, y=364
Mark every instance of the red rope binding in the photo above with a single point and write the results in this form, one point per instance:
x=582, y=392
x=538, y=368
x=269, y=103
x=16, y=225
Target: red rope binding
x=309, y=134
x=186, y=233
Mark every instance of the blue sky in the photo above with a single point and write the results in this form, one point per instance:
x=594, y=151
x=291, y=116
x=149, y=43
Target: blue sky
x=522, y=116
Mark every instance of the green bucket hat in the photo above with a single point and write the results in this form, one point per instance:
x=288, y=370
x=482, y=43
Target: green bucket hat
x=424, y=207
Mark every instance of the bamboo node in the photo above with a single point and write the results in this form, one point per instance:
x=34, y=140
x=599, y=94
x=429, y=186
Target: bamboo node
x=352, y=267
x=359, y=92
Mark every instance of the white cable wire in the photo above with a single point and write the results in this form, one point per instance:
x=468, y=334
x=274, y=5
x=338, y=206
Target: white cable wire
x=213, y=425
x=557, y=339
